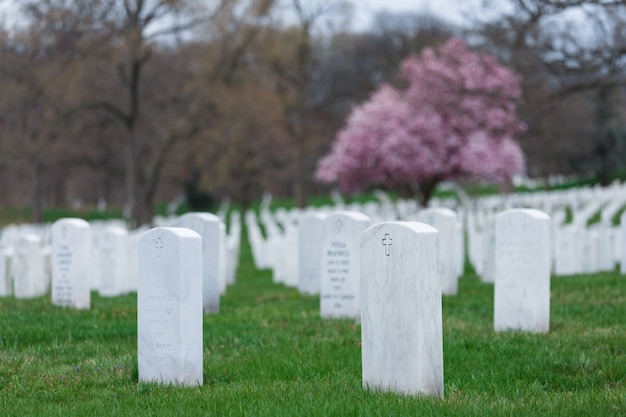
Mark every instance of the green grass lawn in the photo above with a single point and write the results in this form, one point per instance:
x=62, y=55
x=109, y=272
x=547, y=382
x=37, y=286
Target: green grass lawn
x=268, y=353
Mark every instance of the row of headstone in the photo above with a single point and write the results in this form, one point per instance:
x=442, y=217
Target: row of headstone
x=296, y=247
x=576, y=247
x=80, y=257
x=29, y=268
x=170, y=303
x=32, y=267
x=181, y=273
x=398, y=274
x=404, y=353
x=388, y=276
x=521, y=303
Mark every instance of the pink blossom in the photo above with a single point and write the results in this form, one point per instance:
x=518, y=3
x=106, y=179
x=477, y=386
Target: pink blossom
x=456, y=119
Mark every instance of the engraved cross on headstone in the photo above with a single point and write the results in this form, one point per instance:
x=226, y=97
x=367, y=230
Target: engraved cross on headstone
x=158, y=244
x=387, y=244
x=338, y=225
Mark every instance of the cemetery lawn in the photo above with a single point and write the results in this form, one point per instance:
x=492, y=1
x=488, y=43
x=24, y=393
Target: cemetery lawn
x=268, y=353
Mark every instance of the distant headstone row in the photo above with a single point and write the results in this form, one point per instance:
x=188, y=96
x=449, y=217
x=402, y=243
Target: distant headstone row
x=72, y=257
x=580, y=243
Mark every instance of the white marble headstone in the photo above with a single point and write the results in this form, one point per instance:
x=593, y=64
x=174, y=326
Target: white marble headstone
x=489, y=251
x=445, y=221
x=622, y=238
x=133, y=263
x=233, y=246
x=114, y=264
x=169, y=306
x=310, y=252
x=257, y=242
x=275, y=247
x=588, y=250
x=522, y=273
x=213, y=233
x=5, y=275
x=28, y=268
x=291, y=253
x=604, y=248
x=401, y=318
x=475, y=241
x=71, y=242
x=459, y=249
x=340, y=282
x=567, y=256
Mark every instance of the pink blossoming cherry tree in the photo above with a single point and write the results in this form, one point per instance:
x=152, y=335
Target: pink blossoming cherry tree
x=456, y=119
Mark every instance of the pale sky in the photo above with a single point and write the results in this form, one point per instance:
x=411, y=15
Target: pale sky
x=455, y=11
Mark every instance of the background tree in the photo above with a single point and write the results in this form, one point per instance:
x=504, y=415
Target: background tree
x=244, y=151
x=38, y=68
x=103, y=97
x=295, y=61
x=456, y=119
x=571, y=56
x=134, y=24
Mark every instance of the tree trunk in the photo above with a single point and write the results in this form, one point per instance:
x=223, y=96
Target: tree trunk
x=36, y=206
x=602, y=150
x=300, y=191
x=144, y=208
x=130, y=180
x=426, y=192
